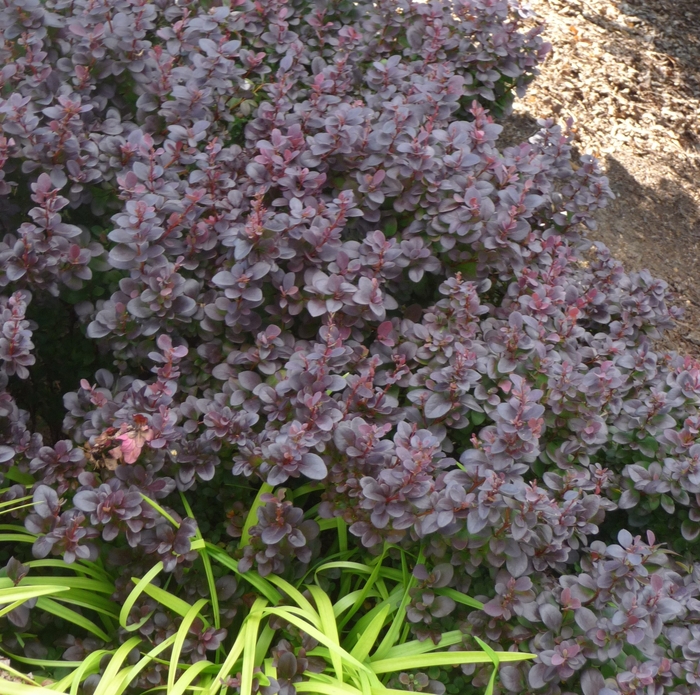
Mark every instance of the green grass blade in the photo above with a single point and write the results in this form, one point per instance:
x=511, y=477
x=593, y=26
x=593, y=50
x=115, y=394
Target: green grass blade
x=459, y=597
x=16, y=538
x=263, y=586
x=24, y=593
x=120, y=682
x=15, y=505
x=405, y=663
x=406, y=575
x=115, y=663
x=16, y=674
x=86, y=599
x=252, y=517
x=345, y=579
x=90, y=665
x=121, y=686
x=316, y=634
x=231, y=659
x=297, y=597
x=249, y=648
x=88, y=568
x=393, y=602
x=236, y=650
x=493, y=655
x=203, y=553
x=348, y=600
x=295, y=496
x=415, y=647
x=262, y=647
x=10, y=688
x=342, y=535
x=359, y=568
x=408, y=581
x=328, y=625
x=382, y=588
x=186, y=679
x=16, y=476
x=71, y=616
x=392, y=634
x=18, y=508
x=16, y=528
x=135, y=593
x=90, y=585
x=365, y=685
x=165, y=598
x=365, y=590
x=323, y=524
x=492, y=682
x=160, y=510
x=44, y=664
x=11, y=606
x=335, y=688
x=211, y=582
x=356, y=567
x=182, y=632
x=368, y=637
x=496, y=661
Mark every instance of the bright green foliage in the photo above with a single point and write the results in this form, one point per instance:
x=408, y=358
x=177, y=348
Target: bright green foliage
x=358, y=632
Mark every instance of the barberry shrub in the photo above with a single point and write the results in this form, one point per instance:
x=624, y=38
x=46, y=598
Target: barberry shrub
x=289, y=288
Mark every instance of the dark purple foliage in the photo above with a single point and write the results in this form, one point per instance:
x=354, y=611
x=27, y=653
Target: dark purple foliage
x=280, y=537
x=288, y=227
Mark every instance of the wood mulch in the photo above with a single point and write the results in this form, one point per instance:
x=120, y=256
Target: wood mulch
x=629, y=75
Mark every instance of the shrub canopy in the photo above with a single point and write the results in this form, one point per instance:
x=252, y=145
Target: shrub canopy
x=271, y=258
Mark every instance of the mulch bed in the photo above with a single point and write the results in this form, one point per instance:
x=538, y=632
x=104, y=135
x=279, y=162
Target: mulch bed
x=629, y=75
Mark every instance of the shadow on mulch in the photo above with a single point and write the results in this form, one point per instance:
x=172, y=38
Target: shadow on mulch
x=677, y=34
x=638, y=220
x=517, y=128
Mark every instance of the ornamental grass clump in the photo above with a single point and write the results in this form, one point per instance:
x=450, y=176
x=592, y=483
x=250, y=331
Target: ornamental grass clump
x=308, y=386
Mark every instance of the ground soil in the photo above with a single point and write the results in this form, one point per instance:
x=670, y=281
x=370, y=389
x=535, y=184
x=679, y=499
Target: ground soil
x=629, y=74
